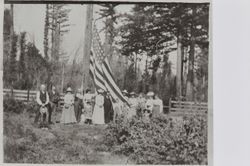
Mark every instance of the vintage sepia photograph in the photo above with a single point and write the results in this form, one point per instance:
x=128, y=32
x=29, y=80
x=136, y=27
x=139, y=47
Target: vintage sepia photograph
x=106, y=82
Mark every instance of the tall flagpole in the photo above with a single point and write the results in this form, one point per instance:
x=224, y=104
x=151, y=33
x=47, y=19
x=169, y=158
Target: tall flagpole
x=87, y=46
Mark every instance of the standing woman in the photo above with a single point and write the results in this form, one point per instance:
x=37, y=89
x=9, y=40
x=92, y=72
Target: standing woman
x=149, y=105
x=133, y=105
x=88, y=106
x=68, y=113
x=158, y=106
x=98, y=114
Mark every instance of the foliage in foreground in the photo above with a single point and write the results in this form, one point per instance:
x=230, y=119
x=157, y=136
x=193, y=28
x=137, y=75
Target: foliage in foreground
x=16, y=106
x=12, y=105
x=24, y=143
x=162, y=141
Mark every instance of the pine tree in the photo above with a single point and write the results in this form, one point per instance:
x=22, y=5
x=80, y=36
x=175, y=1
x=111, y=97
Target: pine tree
x=7, y=23
x=152, y=29
x=46, y=33
x=59, y=16
x=56, y=25
x=21, y=62
x=12, y=68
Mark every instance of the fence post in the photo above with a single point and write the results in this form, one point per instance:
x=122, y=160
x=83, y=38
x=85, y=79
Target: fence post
x=12, y=92
x=28, y=95
x=169, y=108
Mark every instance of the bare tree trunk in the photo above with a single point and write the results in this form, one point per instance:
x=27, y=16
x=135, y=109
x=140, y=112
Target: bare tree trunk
x=62, y=78
x=179, y=67
x=145, y=81
x=136, y=78
x=11, y=37
x=46, y=33
x=190, y=76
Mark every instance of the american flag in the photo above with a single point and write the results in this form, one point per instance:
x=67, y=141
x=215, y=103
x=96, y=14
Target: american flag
x=100, y=70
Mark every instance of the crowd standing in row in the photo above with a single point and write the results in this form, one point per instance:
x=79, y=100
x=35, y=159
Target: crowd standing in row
x=99, y=108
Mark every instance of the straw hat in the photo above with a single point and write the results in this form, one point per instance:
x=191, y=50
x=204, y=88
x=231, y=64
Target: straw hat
x=150, y=94
x=69, y=89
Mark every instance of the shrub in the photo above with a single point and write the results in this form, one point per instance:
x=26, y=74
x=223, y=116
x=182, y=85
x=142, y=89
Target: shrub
x=161, y=140
x=12, y=105
x=31, y=107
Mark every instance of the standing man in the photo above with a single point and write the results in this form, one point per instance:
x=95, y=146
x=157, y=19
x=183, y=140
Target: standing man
x=42, y=99
x=54, y=99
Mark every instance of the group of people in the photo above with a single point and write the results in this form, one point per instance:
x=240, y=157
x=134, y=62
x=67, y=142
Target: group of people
x=98, y=108
x=144, y=105
x=87, y=107
x=82, y=107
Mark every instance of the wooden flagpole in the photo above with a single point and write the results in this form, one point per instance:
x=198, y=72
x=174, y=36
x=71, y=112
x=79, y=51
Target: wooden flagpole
x=87, y=46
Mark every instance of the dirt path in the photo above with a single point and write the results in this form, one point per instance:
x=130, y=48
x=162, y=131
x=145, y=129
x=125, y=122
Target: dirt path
x=71, y=144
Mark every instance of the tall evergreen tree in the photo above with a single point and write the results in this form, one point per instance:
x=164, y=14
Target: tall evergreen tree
x=7, y=23
x=12, y=66
x=21, y=63
x=46, y=33
x=56, y=24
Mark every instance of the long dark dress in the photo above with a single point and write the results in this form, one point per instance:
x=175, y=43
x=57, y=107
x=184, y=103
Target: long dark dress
x=78, y=108
x=108, y=109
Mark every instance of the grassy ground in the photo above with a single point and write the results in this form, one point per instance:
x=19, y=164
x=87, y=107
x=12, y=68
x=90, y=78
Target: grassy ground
x=71, y=144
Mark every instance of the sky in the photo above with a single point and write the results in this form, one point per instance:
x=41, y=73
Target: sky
x=30, y=18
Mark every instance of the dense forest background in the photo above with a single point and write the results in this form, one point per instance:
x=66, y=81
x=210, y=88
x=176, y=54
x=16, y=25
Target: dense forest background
x=138, y=44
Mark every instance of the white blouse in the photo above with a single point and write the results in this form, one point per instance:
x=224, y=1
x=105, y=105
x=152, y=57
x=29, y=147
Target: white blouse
x=159, y=103
x=69, y=99
x=99, y=100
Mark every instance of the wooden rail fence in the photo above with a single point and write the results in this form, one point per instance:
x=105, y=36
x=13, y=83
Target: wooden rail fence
x=187, y=107
x=26, y=96
x=175, y=107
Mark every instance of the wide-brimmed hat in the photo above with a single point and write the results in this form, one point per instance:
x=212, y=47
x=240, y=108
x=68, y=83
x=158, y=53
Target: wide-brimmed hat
x=150, y=94
x=132, y=93
x=100, y=90
x=125, y=91
x=69, y=89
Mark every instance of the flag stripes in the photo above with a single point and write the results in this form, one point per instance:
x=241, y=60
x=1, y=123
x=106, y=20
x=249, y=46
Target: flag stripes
x=100, y=70
x=95, y=74
x=110, y=81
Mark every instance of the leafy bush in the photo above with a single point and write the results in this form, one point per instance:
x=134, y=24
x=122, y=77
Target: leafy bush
x=162, y=140
x=17, y=106
x=12, y=105
x=31, y=107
